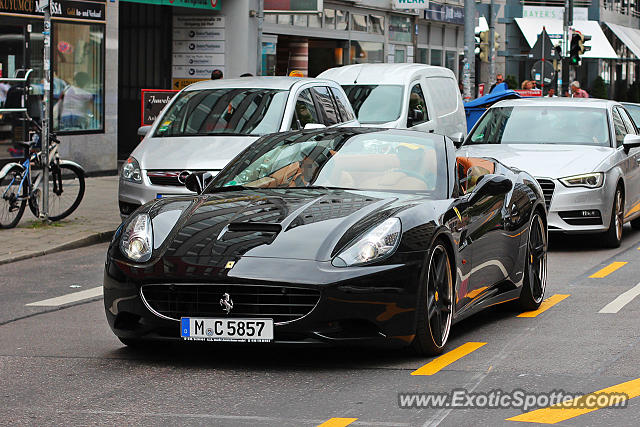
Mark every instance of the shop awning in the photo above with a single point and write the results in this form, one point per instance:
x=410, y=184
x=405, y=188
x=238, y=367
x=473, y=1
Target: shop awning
x=600, y=46
x=629, y=36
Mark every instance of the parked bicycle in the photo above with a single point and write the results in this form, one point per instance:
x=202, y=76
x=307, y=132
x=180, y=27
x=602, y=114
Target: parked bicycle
x=22, y=183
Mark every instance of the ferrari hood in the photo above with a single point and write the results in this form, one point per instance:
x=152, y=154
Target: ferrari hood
x=281, y=223
x=192, y=152
x=542, y=160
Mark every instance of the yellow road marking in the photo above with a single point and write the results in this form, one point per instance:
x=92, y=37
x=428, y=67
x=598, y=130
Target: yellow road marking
x=546, y=305
x=607, y=270
x=337, y=422
x=448, y=358
x=562, y=412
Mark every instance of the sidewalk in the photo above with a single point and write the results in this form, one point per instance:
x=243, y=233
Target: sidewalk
x=94, y=221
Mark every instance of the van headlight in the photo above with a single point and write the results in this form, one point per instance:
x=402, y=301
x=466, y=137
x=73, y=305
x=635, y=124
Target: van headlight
x=131, y=171
x=376, y=244
x=137, y=239
x=589, y=180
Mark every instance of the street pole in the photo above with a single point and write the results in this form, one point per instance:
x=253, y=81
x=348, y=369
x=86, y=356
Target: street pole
x=568, y=21
x=492, y=44
x=260, y=18
x=468, y=75
x=44, y=210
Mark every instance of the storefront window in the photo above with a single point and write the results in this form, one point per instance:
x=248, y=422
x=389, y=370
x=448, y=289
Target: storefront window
x=342, y=20
x=284, y=19
x=366, y=52
x=376, y=24
x=450, y=60
x=300, y=20
x=78, y=71
x=270, y=18
x=359, y=22
x=329, y=18
x=400, y=28
x=436, y=57
x=398, y=56
x=422, y=56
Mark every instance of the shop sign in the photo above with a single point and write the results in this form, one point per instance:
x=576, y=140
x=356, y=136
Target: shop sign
x=194, y=71
x=548, y=12
x=199, y=46
x=312, y=6
x=198, y=34
x=153, y=101
x=182, y=83
x=195, y=21
x=445, y=13
x=84, y=10
x=197, y=4
x=411, y=4
x=197, y=59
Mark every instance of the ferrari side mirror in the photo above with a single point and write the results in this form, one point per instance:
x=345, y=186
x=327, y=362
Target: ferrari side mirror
x=198, y=181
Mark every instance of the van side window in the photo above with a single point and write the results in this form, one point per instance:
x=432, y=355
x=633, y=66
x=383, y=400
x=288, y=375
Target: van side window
x=417, y=112
x=305, y=111
x=343, y=105
x=325, y=102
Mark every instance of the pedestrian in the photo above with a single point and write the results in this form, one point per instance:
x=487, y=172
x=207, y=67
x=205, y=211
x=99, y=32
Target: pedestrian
x=576, y=92
x=526, y=85
x=216, y=74
x=551, y=93
x=499, y=79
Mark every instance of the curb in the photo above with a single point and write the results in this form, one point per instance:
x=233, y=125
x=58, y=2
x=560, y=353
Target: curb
x=92, y=239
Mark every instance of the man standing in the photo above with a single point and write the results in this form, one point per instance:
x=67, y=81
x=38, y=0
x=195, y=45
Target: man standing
x=576, y=92
x=216, y=74
x=499, y=79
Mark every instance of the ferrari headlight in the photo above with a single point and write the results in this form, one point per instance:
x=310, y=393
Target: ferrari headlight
x=131, y=171
x=589, y=180
x=377, y=243
x=137, y=240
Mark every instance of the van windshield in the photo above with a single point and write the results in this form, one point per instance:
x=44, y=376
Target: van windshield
x=375, y=104
x=224, y=112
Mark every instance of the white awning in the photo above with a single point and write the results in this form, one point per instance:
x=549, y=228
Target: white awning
x=628, y=36
x=600, y=46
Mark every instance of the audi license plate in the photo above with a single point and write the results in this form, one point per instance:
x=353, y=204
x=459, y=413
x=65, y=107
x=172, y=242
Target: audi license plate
x=226, y=329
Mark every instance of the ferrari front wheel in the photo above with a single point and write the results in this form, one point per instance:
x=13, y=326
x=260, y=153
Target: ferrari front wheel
x=535, y=266
x=435, y=304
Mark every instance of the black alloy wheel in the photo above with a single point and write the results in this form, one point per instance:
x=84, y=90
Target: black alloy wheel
x=535, y=265
x=435, y=305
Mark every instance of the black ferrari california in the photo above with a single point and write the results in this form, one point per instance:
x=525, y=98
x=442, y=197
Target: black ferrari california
x=330, y=236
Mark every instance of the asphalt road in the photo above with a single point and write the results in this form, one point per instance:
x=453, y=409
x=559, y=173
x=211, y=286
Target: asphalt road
x=61, y=365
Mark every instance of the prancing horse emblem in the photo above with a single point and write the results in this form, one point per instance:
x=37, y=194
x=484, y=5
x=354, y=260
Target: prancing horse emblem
x=227, y=303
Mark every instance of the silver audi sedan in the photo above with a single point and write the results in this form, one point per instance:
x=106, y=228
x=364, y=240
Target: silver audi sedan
x=584, y=153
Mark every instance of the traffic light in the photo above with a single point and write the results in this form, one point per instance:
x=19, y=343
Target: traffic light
x=496, y=41
x=484, y=46
x=577, y=47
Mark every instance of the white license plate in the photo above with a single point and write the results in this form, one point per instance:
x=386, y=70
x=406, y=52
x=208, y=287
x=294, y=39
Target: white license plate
x=226, y=329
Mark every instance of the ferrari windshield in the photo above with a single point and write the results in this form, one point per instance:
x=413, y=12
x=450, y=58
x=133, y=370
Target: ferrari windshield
x=542, y=125
x=375, y=104
x=352, y=159
x=224, y=112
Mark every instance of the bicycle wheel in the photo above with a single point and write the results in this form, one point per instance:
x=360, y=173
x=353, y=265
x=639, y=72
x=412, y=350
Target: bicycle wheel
x=66, y=189
x=11, y=209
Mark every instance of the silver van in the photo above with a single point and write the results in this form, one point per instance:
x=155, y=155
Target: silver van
x=208, y=123
x=415, y=96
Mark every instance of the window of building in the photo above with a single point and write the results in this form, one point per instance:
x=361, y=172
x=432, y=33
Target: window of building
x=329, y=18
x=300, y=20
x=376, y=24
x=436, y=57
x=342, y=20
x=422, y=55
x=78, y=70
x=284, y=19
x=398, y=56
x=270, y=18
x=359, y=22
x=400, y=28
x=315, y=21
x=366, y=52
x=450, y=60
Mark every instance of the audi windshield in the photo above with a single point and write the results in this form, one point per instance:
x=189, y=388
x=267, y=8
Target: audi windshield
x=224, y=112
x=542, y=125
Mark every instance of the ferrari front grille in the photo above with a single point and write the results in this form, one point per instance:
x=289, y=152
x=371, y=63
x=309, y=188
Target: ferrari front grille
x=548, y=186
x=280, y=303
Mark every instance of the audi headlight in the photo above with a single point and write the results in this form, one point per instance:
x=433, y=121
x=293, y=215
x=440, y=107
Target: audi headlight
x=137, y=240
x=131, y=171
x=377, y=243
x=589, y=180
